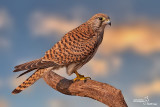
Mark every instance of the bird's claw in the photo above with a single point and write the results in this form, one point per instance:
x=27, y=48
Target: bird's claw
x=81, y=77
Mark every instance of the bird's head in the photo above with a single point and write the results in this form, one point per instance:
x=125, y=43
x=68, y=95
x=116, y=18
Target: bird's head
x=99, y=21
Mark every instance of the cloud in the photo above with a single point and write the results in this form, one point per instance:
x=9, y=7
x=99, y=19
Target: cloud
x=5, y=19
x=149, y=89
x=98, y=66
x=57, y=103
x=14, y=82
x=154, y=72
x=4, y=103
x=5, y=26
x=115, y=62
x=46, y=24
x=140, y=38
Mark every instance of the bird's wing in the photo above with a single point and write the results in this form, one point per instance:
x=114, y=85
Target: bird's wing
x=32, y=65
x=75, y=46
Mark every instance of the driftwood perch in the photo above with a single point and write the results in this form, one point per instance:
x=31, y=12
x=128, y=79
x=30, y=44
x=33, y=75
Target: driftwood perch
x=101, y=92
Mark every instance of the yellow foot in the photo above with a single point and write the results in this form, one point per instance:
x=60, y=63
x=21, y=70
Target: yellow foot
x=81, y=77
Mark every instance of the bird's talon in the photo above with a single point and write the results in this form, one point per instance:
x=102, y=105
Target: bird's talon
x=82, y=78
x=76, y=79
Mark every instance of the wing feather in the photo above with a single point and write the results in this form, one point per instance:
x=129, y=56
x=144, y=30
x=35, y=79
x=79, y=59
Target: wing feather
x=75, y=46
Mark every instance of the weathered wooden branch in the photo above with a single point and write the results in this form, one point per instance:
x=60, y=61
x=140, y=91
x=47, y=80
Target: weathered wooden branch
x=101, y=92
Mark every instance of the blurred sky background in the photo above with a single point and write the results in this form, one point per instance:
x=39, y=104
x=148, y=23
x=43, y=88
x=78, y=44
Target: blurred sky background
x=128, y=58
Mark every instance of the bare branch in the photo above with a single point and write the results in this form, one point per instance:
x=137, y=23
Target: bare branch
x=101, y=92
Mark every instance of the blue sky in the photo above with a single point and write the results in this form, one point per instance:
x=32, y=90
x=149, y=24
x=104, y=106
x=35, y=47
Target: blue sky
x=129, y=57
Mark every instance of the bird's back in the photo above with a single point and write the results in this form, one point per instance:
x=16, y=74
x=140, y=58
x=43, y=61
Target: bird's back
x=75, y=46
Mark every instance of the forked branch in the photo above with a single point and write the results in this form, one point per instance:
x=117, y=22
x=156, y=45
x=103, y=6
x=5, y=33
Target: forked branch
x=101, y=92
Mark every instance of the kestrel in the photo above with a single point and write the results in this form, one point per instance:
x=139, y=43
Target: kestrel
x=75, y=49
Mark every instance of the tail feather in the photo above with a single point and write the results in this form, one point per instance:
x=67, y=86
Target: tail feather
x=35, y=64
x=31, y=80
x=25, y=72
x=27, y=65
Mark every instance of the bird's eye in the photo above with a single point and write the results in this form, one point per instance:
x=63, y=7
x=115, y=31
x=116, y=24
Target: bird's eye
x=100, y=18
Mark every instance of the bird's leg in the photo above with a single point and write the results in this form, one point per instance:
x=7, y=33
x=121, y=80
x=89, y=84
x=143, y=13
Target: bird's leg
x=80, y=77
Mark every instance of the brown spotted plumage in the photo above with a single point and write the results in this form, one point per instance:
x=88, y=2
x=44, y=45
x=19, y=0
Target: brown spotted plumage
x=74, y=50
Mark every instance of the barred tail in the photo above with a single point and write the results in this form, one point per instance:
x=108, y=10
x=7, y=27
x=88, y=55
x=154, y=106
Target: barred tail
x=31, y=80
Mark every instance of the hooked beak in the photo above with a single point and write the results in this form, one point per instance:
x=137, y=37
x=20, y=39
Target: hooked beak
x=109, y=23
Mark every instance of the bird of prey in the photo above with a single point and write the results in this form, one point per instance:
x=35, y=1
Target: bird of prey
x=75, y=49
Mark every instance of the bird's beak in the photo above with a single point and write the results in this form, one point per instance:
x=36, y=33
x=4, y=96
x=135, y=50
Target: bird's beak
x=109, y=22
